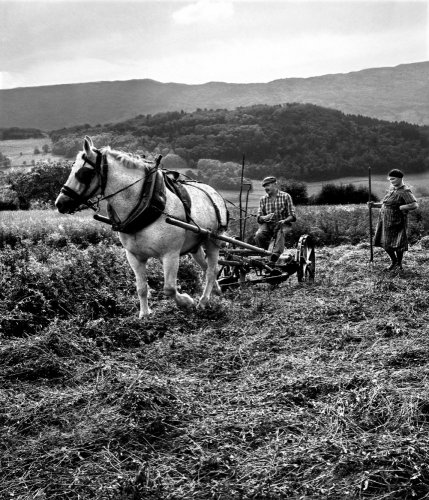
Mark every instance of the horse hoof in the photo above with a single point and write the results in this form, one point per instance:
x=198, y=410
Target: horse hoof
x=143, y=315
x=184, y=300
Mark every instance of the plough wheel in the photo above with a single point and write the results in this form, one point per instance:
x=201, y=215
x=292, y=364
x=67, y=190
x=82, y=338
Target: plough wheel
x=306, y=258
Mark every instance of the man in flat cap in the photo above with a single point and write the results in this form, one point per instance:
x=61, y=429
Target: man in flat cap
x=275, y=215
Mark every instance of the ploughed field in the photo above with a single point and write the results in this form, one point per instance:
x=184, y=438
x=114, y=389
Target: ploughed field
x=301, y=391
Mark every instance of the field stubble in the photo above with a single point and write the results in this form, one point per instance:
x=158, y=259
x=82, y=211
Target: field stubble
x=302, y=391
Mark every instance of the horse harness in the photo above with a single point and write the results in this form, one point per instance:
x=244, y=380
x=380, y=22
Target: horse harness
x=152, y=198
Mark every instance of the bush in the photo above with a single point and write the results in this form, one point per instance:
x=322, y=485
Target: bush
x=220, y=175
x=336, y=225
x=4, y=161
x=173, y=162
x=67, y=146
x=297, y=189
x=344, y=194
x=8, y=198
x=42, y=183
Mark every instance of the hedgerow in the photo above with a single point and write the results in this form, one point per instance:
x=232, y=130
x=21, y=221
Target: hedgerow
x=336, y=225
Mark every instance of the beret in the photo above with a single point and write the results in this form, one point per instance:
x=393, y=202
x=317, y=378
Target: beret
x=395, y=173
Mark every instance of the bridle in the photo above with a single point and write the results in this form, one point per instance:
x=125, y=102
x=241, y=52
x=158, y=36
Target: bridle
x=100, y=168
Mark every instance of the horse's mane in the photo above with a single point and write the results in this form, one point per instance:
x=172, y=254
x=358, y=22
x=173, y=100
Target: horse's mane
x=128, y=160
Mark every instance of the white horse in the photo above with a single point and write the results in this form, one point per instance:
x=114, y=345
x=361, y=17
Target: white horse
x=138, y=205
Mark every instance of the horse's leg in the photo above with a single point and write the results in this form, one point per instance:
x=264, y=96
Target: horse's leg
x=212, y=251
x=170, y=265
x=139, y=268
x=201, y=260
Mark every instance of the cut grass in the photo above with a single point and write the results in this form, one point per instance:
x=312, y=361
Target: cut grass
x=302, y=391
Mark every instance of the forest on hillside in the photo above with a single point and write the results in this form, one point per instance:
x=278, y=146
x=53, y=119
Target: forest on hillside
x=16, y=133
x=300, y=141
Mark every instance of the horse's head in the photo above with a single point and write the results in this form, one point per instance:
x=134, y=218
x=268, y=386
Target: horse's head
x=85, y=180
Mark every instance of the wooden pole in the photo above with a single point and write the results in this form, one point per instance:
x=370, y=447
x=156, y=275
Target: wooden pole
x=209, y=234
x=240, y=202
x=371, y=258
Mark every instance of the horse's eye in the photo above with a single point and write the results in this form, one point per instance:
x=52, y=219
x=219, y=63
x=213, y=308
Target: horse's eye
x=85, y=175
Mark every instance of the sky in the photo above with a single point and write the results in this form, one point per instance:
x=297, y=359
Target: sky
x=198, y=41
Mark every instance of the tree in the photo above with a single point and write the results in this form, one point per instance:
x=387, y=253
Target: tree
x=42, y=183
x=8, y=198
x=301, y=141
x=4, y=161
x=344, y=194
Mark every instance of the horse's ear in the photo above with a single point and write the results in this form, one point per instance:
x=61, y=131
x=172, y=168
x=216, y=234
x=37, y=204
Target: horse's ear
x=87, y=144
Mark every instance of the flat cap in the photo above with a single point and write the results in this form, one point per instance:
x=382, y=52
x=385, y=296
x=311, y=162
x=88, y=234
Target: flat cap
x=268, y=180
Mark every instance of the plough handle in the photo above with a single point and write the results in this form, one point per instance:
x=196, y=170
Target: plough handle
x=207, y=232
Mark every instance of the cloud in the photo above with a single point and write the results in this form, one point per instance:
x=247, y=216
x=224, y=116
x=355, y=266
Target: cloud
x=8, y=80
x=204, y=11
x=258, y=59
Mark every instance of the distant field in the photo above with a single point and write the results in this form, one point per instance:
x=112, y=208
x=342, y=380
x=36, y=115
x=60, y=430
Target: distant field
x=20, y=151
x=254, y=196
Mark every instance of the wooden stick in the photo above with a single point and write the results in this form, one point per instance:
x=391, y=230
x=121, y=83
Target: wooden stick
x=240, y=202
x=371, y=258
x=209, y=234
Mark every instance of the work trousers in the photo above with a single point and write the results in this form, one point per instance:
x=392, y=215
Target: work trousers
x=269, y=230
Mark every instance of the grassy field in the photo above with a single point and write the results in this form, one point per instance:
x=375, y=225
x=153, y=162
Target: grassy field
x=304, y=391
x=20, y=151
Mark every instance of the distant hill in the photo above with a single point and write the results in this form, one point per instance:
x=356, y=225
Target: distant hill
x=303, y=141
x=398, y=93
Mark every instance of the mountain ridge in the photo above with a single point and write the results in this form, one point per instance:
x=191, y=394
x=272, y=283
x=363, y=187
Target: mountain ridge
x=399, y=93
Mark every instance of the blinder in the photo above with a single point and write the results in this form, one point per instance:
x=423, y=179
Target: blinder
x=85, y=176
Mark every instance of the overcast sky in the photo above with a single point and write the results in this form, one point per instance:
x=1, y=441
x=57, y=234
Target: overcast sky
x=197, y=41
